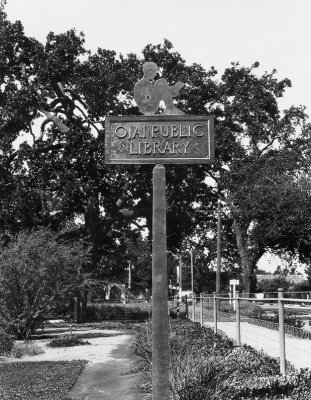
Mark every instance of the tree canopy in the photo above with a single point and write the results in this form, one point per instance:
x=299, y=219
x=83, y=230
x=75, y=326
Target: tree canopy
x=58, y=94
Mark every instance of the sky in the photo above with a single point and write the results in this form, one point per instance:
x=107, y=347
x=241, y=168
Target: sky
x=277, y=33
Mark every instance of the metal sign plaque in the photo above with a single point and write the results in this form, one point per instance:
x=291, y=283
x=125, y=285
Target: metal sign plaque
x=159, y=139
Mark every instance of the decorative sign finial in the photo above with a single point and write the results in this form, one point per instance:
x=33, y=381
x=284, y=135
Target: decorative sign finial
x=148, y=95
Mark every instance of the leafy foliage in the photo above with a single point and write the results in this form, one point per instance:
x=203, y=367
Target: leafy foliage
x=67, y=341
x=37, y=273
x=48, y=380
x=106, y=312
x=28, y=348
x=59, y=174
x=6, y=343
x=204, y=366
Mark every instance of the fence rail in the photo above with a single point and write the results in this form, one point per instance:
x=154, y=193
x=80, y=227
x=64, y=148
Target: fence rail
x=220, y=310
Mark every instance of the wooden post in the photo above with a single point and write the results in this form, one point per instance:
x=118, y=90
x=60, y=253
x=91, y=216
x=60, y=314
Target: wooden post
x=186, y=301
x=130, y=276
x=215, y=312
x=177, y=291
x=238, y=319
x=281, y=331
x=160, y=354
x=218, y=249
x=77, y=314
x=201, y=312
x=192, y=285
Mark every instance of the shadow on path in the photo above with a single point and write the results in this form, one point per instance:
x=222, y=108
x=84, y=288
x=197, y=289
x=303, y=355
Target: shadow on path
x=108, y=381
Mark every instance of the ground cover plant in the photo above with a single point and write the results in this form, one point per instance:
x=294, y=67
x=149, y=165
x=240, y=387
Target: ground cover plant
x=204, y=366
x=28, y=348
x=67, y=341
x=38, y=380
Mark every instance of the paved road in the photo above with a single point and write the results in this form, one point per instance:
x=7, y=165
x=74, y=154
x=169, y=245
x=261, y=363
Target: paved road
x=297, y=351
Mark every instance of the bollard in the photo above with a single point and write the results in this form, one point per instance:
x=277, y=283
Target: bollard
x=281, y=331
x=215, y=312
x=238, y=319
x=201, y=310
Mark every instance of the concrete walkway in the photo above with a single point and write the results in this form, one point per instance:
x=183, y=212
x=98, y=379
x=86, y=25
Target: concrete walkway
x=108, y=380
x=297, y=351
x=104, y=376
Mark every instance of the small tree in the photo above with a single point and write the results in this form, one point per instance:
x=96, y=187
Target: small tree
x=37, y=273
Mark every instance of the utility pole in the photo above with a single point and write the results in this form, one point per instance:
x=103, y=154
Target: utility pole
x=130, y=276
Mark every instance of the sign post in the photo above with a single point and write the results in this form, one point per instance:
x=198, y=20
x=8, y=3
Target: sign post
x=233, y=283
x=171, y=138
x=160, y=356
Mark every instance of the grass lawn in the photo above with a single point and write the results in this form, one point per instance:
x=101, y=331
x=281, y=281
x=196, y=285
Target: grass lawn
x=46, y=380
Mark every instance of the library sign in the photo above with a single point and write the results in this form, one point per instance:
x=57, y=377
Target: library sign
x=170, y=138
x=159, y=139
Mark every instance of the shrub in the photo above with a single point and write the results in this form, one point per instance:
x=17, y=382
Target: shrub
x=107, y=311
x=37, y=272
x=205, y=366
x=25, y=349
x=290, y=319
x=67, y=341
x=250, y=309
x=6, y=343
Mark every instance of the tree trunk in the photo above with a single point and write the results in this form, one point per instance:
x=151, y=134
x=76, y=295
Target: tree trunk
x=249, y=258
x=243, y=251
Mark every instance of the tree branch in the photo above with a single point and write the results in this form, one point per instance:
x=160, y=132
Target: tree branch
x=268, y=145
x=51, y=117
x=46, y=149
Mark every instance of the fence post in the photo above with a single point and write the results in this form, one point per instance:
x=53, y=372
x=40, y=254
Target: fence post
x=177, y=305
x=238, y=319
x=77, y=310
x=215, y=312
x=201, y=313
x=193, y=307
x=281, y=331
x=186, y=303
